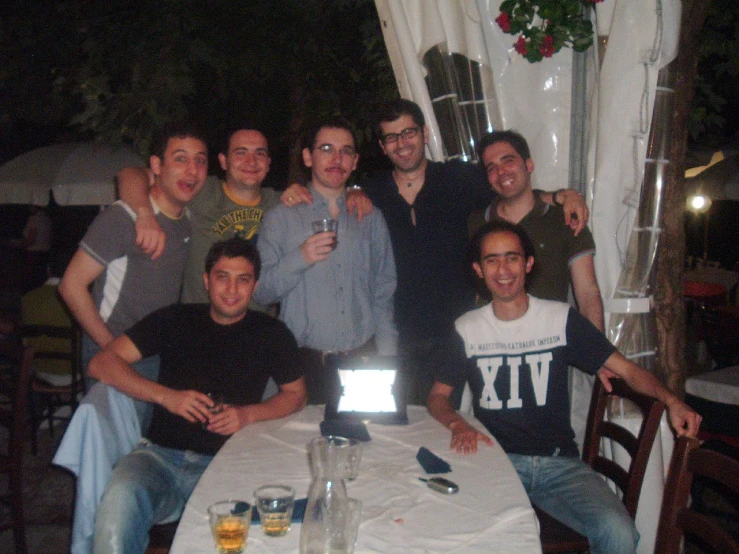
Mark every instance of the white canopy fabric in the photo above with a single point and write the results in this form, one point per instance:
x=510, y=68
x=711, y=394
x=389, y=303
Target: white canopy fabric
x=77, y=174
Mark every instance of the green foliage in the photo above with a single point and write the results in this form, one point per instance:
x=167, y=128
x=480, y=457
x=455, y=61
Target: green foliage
x=546, y=26
x=122, y=69
x=713, y=115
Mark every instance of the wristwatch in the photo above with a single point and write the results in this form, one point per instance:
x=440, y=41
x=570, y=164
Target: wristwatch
x=354, y=187
x=554, y=198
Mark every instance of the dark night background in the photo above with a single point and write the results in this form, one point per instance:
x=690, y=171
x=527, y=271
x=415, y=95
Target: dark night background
x=86, y=69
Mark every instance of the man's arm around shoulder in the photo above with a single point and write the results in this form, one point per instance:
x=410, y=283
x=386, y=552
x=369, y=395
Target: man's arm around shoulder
x=133, y=188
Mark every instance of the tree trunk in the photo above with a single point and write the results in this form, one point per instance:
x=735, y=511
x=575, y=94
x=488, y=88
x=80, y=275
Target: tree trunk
x=669, y=304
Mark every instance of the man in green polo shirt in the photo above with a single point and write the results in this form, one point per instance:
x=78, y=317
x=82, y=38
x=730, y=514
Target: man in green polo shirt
x=561, y=256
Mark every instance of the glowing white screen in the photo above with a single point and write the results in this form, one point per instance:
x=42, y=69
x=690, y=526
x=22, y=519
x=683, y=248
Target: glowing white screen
x=367, y=390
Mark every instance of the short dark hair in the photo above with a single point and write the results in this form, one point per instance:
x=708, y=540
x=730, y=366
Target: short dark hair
x=234, y=248
x=499, y=226
x=226, y=139
x=179, y=129
x=514, y=138
x=336, y=122
x=396, y=109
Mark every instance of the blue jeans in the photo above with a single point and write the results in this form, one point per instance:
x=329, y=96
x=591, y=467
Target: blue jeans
x=150, y=485
x=570, y=491
x=148, y=367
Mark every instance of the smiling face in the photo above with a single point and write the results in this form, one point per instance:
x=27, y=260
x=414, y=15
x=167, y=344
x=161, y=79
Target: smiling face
x=180, y=174
x=230, y=284
x=503, y=266
x=508, y=173
x=247, y=161
x=331, y=160
x=407, y=154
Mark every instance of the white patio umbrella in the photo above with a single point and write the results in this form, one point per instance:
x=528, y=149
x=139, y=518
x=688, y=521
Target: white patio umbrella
x=76, y=173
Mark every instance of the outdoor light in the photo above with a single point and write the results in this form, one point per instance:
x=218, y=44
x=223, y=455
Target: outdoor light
x=698, y=203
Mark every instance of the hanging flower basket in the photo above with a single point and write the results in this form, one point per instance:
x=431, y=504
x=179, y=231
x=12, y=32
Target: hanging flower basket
x=545, y=26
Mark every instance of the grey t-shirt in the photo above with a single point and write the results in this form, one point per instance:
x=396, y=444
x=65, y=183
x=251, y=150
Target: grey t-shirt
x=132, y=285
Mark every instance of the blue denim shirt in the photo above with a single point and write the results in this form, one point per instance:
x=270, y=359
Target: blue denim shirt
x=339, y=303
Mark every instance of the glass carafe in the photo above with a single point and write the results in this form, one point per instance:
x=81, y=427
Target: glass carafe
x=327, y=512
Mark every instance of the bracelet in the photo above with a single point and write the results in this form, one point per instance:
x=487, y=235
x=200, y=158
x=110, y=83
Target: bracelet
x=554, y=198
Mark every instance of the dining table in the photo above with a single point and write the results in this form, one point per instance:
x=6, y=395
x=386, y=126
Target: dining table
x=400, y=514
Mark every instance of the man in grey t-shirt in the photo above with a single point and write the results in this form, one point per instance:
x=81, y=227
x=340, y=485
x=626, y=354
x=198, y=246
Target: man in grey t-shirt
x=127, y=285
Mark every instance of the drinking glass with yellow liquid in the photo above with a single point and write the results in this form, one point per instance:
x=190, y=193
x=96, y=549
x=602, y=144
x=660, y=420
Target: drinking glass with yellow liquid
x=229, y=523
x=275, y=506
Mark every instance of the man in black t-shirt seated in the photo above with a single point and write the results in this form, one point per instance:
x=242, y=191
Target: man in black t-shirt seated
x=514, y=354
x=206, y=350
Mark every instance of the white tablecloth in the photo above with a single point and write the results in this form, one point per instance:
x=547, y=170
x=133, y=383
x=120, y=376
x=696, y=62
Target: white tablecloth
x=721, y=385
x=491, y=512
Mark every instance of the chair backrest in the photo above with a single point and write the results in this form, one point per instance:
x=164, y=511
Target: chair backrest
x=676, y=518
x=55, y=343
x=15, y=383
x=639, y=446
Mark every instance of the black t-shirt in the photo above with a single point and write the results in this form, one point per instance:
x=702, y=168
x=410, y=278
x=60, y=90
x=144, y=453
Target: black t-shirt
x=517, y=372
x=197, y=353
x=434, y=283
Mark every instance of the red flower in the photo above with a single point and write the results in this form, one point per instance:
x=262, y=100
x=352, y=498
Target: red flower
x=504, y=21
x=547, y=46
x=520, y=46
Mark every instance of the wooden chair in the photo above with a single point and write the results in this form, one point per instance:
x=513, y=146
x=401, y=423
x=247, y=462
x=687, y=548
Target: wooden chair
x=676, y=518
x=14, y=385
x=54, y=344
x=558, y=537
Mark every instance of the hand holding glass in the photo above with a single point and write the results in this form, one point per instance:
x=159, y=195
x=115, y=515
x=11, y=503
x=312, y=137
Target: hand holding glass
x=326, y=225
x=216, y=408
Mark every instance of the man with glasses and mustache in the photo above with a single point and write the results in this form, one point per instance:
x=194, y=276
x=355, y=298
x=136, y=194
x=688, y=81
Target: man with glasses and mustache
x=335, y=288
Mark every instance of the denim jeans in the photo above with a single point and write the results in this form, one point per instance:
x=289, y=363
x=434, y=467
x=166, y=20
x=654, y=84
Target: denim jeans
x=150, y=485
x=148, y=367
x=570, y=491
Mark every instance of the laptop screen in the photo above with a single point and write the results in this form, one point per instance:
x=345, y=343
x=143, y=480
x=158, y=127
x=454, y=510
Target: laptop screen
x=367, y=389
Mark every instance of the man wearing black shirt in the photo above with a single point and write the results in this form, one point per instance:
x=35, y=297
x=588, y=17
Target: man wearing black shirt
x=218, y=348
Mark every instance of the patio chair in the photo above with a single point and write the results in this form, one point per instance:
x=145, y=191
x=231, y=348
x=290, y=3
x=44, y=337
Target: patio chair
x=14, y=385
x=676, y=518
x=558, y=537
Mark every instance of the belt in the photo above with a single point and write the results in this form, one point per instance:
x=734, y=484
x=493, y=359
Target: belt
x=366, y=349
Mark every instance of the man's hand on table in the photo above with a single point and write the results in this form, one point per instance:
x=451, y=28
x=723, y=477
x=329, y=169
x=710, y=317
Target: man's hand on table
x=465, y=437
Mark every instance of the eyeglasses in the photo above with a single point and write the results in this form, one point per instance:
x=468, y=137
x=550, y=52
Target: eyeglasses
x=329, y=149
x=406, y=134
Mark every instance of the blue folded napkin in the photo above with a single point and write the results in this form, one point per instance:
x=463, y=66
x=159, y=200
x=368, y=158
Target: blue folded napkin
x=348, y=429
x=430, y=462
x=298, y=511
